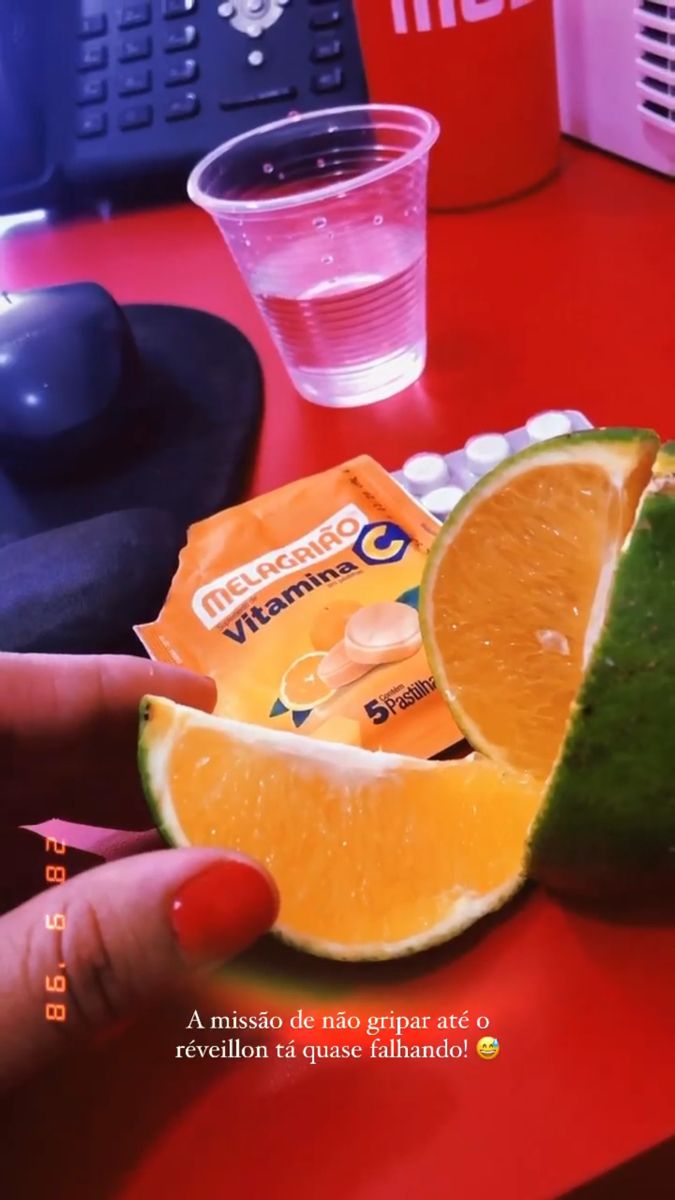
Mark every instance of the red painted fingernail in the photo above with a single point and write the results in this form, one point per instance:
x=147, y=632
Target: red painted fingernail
x=222, y=910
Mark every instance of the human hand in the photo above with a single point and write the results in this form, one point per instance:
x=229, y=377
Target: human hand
x=131, y=928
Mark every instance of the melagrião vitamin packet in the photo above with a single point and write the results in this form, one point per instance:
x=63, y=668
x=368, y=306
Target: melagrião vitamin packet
x=302, y=604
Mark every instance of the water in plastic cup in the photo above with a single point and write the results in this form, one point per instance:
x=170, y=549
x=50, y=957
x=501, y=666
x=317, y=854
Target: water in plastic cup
x=325, y=214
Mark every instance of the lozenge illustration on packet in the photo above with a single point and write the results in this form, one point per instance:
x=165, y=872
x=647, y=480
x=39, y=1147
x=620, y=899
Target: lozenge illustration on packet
x=302, y=604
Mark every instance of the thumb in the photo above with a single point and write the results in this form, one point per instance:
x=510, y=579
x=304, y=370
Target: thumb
x=83, y=954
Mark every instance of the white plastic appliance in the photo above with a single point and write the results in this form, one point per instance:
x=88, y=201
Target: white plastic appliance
x=616, y=70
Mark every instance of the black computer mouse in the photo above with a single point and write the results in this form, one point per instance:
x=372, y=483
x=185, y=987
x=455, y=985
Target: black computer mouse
x=67, y=361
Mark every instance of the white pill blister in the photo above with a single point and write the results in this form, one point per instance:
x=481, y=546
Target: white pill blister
x=423, y=472
x=485, y=452
x=441, y=501
x=438, y=481
x=547, y=425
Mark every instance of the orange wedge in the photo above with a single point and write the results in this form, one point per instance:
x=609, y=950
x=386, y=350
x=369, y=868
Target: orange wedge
x=516, y=588
x=375, y=855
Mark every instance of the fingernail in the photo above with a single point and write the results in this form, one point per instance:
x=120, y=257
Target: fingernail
x=222, y=910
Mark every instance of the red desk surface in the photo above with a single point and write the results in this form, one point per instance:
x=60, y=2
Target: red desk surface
x=562, y=299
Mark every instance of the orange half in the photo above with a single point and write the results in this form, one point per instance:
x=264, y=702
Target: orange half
x=516, y=588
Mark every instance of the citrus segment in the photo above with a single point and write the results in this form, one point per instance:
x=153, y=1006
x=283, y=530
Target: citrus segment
x=515, y=589
x=302, y=686
x=375, y=855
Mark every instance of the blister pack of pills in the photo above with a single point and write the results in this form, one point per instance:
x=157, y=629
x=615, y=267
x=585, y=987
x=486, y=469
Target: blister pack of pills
x=438, y=481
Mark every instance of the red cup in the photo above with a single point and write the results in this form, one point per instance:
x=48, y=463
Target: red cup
x=486, y=70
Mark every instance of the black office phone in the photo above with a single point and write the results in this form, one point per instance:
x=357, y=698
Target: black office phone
x=114, y=101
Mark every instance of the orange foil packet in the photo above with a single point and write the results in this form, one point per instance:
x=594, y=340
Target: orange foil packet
x=302, y=604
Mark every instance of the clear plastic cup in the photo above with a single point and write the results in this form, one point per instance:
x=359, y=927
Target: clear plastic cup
x=325, y=214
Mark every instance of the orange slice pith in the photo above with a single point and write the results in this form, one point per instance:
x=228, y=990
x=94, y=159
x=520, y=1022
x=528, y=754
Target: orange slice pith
x=375, y=855
x=510, y=658
x=302, y=687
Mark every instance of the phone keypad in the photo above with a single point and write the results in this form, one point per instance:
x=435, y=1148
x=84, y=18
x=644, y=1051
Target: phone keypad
x=132, y=49
x=93, y=26
x=182, y=107
x=326, y=20
x=181, y=39
x=153, y=46
x=131, y=16
x=134, y=83
x=181, y=72
x=132, y=45
x=330, y=80
x=92, y=91
x=326, y=51
x=177, y=8
x=327, y=48
x=93, y=57
x=91, y=124
x=136, y=116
